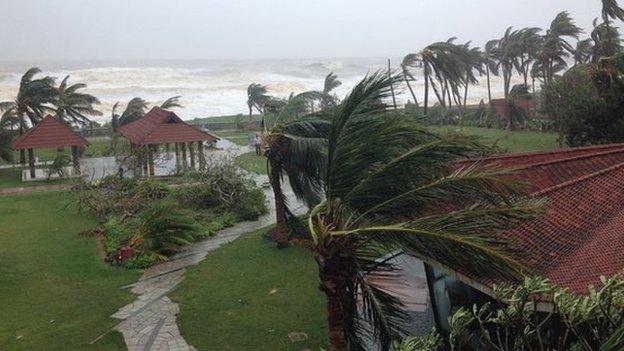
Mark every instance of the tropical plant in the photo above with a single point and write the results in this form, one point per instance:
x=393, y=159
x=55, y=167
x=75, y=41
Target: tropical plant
x=513, y=322
x=491, y=64
x=163, y=228
x=58, y=166
x=506, y=53
x=293, y=144
x=528, y=41
x=33, y=100
x=611, y=10
x=606, y=40
x=256, y=98
x=73, y=106
x=390, y=185
x=135, y=109
x=171, y=102
x=555, y=48
x=409, y=60
x=330, y=83
x=583, y=51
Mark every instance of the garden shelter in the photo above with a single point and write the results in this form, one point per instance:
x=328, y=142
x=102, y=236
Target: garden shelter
x=161, y=127
x=50, y=133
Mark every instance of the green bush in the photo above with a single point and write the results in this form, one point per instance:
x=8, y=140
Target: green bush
x=251, y=205
x=142, y=260
x=115, y=235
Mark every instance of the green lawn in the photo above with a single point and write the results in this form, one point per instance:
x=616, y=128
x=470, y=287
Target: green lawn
x=12, y=177
x=239, y=137
x=225, y=119
x=511, y=141
x=55, y=291
x=252, y=162
x=248, y=295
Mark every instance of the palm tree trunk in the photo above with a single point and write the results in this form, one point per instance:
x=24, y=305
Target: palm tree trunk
x=409, y=86
x=250, y=113
x=333, y=285
x=392, y=86
x=426, y=74
x=281, y=231
x=487, y=73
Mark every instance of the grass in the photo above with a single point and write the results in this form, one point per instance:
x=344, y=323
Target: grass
x=248, y=295
x=252, y=162
x=56, y=292
x=510, y=141
x=12, y=177
x=238, y=137
x=225, y=119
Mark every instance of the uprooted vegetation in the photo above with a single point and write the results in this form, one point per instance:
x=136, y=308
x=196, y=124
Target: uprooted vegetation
x=145, y=221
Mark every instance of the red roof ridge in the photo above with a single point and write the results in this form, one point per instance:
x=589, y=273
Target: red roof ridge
x=543, y=152
x=573, y=158
x=578, y=180
x=22, y=138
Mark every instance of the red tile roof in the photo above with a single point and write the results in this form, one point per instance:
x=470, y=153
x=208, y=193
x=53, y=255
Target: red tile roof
x=159, y=126
x=49, y=133
x=581, y=237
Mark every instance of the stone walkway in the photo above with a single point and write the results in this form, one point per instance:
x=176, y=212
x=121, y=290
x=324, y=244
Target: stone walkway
x=149, y=323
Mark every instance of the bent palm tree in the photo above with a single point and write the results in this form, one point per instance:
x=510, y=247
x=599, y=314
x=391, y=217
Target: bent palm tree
x=611, y=10
x=171, y=102
x=390, y=185
x=408, y=61
x=331, y=82
x=491, y=65
x=293, y=144
x=72, y=106
x=33, y=100
x=256, y=97
x=134, y=110
x=582, y=51
x=606, y=39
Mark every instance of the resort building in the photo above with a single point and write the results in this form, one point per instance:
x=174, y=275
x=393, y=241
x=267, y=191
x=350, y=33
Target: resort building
x=579, y=239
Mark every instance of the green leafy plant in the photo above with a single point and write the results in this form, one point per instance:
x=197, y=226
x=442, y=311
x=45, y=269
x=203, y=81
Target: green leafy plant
x=58, y=166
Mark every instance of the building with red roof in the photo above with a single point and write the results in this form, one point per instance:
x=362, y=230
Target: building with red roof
x=161, y=127
x=50, y=133
x=579, y=239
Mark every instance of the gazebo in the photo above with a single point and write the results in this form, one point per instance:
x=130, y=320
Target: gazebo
x=159, y=127
x=50, y=133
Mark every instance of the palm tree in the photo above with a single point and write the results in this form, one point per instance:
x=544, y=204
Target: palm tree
x=527, y=44
x=73, y=106
x=583, y=51
x=330, y=83
x=135, y=109
x=472, y=62
x=401, y=193
x=171, y=103
x=408, y=61
x=442, y=69
x=506, y=53
x=606, y=40
x=293, y=144
x=555, y=48
x=491, y=64
x=256, y=97
x=611, y=10
x=33, y=100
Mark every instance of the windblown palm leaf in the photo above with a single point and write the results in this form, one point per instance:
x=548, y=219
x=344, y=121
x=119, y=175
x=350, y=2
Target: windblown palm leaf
x=583, y=51
x=135, y=109
x=330, y=83
x=75, y=107
x=389, y=185
x=256, y=97
x=606, y=39
x=171, y=102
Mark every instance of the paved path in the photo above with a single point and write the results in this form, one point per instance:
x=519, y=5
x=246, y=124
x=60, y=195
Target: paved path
x=149, y=323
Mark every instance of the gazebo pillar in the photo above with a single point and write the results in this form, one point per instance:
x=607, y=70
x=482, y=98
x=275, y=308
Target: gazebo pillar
x=144, y=157
x=184, y=161
x=177, y=156
x=75, y=159
x=150, y=159
x=202, y=157
x=192, y=152
x=31, y=163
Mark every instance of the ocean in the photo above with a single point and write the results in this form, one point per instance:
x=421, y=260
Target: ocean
x=213, y=87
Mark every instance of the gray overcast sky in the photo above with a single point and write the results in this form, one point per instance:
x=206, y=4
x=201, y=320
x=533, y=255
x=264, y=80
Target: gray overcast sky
x=248, y=29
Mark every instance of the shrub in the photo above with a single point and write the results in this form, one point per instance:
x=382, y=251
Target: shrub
x=163, y=228
x=142, y=260
x=115, y=235
x=251, y=205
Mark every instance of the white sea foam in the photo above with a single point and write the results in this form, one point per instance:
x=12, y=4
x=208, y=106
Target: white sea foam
x=210, y=88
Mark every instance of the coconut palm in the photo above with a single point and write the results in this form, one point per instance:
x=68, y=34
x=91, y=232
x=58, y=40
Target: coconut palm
x=256, y=97
x=75, y=107
x=491, y=64
x=472, y=62
x=408, y=61
x=528, y=41
x=33, y=100
x=611, y=10
x=135, y=109
x=606, y=40
x=293, y=142
x=442, y=69
x=555, y=48
x=506, y=53
x=583, y=51
x=390, y=185
x=330, y=83
x=171, y=103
